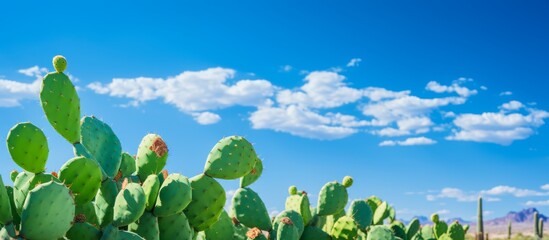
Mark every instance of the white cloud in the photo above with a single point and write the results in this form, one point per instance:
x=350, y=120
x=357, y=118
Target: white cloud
x=206, y=118
x=192, y=91
x=323, y=89
x=34, y=71
x=500, y=128
x=483, y=88
x=517, y=192
x=13, y=92
x=545, y=187
x=409, y=142
x=286, y=68
x=537, y=203
x=377, y=94
x=455, y=87
x=512, y=105
x=300, y=121
x=354, y=62
x=443, y=212
x=506, y=93
x=458, y=194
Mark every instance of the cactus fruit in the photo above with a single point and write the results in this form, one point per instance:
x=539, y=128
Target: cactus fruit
x=300, y=203
x=292, y=190
x=250, y=210
x=434, y=218
x=174, y=195
x=332, y=198
x=255, y=234
x=413, y=228
x=314, y=233
x=151, y=185
x=220, y=229
x=61, y=105
x=347, y=181
x=83, y=177
x=151, y=157
x=48, y=212
x=208, y=200
x=129, y=204
x=382, y=212
x=344, y=228
x=175, y=227
x=240, y=231
x=455, y=231
x=380, y=233
x=104, y=202
x=103, y=145
x=84, y=231
x=362, y=214
x=231, y=158
x=146, y=226
x=59, y=63
x=254, y=174
x=28, y=147
x=127, y=165
x=287, y=230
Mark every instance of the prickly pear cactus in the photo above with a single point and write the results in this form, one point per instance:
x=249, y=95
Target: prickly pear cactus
x=28, y=147
x=381, y=213
x=104, y=202
x=127, y=165
x=151, y=185
x=332, y=198
x=299, y=202
x=344, y=228
x=102, y=144
x=413, y=228
x=362, y=214
x=221, y=229
x=48, y=212
x=175, y=227
x=208, y=200
x=254, y=174
x=88, y=211
x=314, y=233
x=146, y=227
x=83, y=177
x=380, y=233
x=427, y=233
x=398, y=229
x=231, y=158
x=84, y=231
x=5, y=205
x=24, y=183
x=129, y=204
x=151, y=157
x=294, y=216
x=440, y=228
x=287, y=230
x=250, y=210
x=455, y=231
x=60, y=103
x=174, y=195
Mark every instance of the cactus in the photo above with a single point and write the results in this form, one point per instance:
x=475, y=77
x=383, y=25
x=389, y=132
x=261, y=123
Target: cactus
x=175, y=227
x=537, y=225
x=398, y=229
x=83, y=177
x=413, y=228
x=362, y=214
x=129, y=204
x=151, y=157
x=220, y=229
x=250, y=210
x=300, y=203
x=127, y=165
x=455, y=231
x=48, y=212
x=232, y=157
x=540, y=227
x=480, y=222
x=174, y=195
x=380, y=233
x=146, y=227
x=28, y=147
x=84, y=231
x=440, y=228
x=102, y=145
x=509, y=230
x=255, y=234
x=254, y=174
x=314, y=233
x=294, y=216
x=6, y=216
x=287, y=230
x=151, y=186
x=333, y=197
x=381, y=213
x=104, y=202
x=427, y=233
x=88, y=211
x=208, y=199
x=344, y=228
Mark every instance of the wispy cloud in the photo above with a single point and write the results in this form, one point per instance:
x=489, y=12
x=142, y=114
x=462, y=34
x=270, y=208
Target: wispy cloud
x=491, y=194
x=354, y=62
x=506, y=93
x=409, y=142
x=537, y=203
x=286, y=68
x=13, y=92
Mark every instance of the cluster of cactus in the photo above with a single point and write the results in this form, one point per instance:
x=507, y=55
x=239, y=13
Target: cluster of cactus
x=106, y=193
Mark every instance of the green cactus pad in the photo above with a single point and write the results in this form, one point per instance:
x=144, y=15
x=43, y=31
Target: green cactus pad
x=250, y=210
x=88, y=210
x=24, y=183
x=175, y=227
x=427, y=233
x=13, y=175
x=146, y=227
x=5, y=205
x=231, y=158
x=103, y=145
x=240, y=231
x=392, y=214
x=104, y=202
x=220, y=229
x=331, y=220
x=332, y=198
x=413, y=228
x=14, y=214
x=151, y=185
x=48, y=212
x=127, y=165
x=208, y=200
x=380, y=233
x=287, y=230
x=59, y=63
x=129, y=205
x=125, y=235
x=300, y=203
x=314, y=233
x=254, y=174
x=373, y=202
x=174, y=195
x=28, y=147
x=83, y=231
x=83, y=177
x=151, y=157
x=382, y=212
x=455, y=231
x=446, y=237
x=61, y=105
x=294, y=216
x=344, y=228
x=362, y=214
x=398, y=229
x=440, y=228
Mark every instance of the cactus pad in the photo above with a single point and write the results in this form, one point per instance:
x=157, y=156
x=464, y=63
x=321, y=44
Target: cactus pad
x=455, y=231
x=127, y=165
x=287, y=230
x=175, y=227
x=146, y=227
x=83, y=177
x=413, y=228
x=83, y=231
x=221, y=229
x=344, y=228
x=294, y=216
x=231, y=158
x=151, y=185
x=250, y=210
x=254, y=174
x=300, y=203
x=362, y=214
x=103, y=145
x=382, y=212
x=129, y=205
x=151, y=157
x=28, y=147
x=380, y=233
x=208, y=200
x=5, y=205
x=332, y=198
x=314, y=233
x=174, y=195
x=104, y=202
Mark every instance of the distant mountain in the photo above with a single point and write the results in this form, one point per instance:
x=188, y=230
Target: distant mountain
x=524, y=216
x=423, y=220
x=460, y=220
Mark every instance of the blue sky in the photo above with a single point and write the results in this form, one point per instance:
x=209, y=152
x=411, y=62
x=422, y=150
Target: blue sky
x=427, y=104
